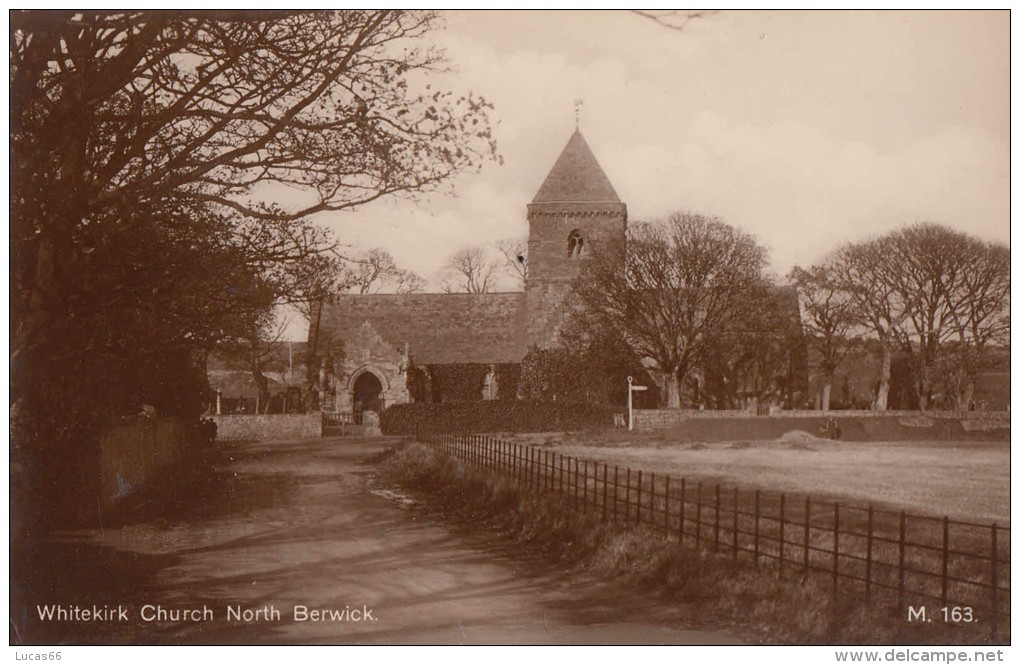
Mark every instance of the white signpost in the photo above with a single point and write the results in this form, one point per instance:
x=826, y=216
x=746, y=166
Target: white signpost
x=631, y=388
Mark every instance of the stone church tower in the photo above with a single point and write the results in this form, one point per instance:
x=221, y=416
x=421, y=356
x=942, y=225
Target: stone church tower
x=575, y=210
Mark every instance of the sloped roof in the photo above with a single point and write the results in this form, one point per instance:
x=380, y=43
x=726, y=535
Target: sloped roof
x=238, y=383
x=576, y=177
x=440, y=327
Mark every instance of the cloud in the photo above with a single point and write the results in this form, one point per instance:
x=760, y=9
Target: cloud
x=785, y=130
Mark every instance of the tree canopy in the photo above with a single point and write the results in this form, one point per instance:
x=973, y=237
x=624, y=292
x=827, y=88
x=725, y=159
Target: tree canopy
x=673, y=290
x=938, y=296
x=164, y=167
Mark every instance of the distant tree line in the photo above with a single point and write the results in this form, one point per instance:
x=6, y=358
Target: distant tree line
x=937, y=297
x=687, y=300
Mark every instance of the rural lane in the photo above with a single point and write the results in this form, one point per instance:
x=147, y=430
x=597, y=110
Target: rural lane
x=310, y=523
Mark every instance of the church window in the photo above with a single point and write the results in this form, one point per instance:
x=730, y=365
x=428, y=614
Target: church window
x=575, y=243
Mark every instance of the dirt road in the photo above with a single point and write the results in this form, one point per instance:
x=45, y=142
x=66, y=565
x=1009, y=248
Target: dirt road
x=308, y=524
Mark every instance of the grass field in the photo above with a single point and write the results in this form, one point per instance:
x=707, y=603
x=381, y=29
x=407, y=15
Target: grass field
x=964, y=480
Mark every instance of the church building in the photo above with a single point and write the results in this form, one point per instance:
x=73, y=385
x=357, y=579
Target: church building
x=385, y=336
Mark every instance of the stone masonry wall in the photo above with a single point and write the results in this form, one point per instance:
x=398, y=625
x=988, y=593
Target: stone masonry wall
x=259, y=427
x=686, y=426
x=550, y=269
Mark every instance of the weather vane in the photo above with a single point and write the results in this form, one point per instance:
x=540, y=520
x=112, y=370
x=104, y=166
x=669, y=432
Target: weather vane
x=577, y=113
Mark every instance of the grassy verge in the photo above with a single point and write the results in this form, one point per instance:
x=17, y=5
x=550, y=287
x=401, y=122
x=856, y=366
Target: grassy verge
x=768, y=607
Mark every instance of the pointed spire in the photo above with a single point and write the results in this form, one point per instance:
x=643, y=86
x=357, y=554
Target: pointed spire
x=576, y=177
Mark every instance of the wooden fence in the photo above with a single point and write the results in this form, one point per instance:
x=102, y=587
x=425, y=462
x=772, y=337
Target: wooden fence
x=904, y=557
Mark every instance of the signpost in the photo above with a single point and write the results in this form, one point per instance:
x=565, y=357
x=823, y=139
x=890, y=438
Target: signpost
x=631, y=388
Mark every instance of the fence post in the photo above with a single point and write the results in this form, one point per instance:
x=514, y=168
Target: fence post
x=605, y=489
x=903, y=557
x=736, y=526
x=577, y=484
x=782, y=530
x=945, y=559
x=545, y=468
x=757, y=524
x=584, y=502
x=867, y=565
x=665, y=509
x=626, y=503
x=718, y=497
x=683, y=507
x=807, y=534
x=697, y=520
x=536, y=465
x=616, y=488
x=995, y=578
x=835, y=547
x=651, y=501
x=638, y=509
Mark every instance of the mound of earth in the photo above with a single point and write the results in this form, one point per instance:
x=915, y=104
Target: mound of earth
x=799, y=436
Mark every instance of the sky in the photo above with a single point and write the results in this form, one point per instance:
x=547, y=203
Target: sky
x=806, y=129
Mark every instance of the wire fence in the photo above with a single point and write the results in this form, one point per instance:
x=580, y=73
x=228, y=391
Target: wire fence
x=901, y=556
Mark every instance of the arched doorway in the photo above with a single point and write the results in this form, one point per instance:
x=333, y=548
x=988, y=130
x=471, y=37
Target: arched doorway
x=368, y=393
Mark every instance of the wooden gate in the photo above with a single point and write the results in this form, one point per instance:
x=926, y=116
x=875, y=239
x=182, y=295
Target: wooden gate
x=342, y=424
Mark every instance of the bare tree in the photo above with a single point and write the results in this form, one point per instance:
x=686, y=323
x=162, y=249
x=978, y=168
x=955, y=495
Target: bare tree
x=675, y=19
x=829, y=318
x=672, y=289
x=255, y=346
x=116, y=113
x=980, y=311
x=921, y=290
x=515, y=258
x=924, y=263
x=377, y=271
x=863, y=272
x=468, y=271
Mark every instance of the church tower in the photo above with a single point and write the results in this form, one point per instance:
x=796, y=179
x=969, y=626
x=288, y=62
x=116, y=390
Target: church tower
x=575, y=210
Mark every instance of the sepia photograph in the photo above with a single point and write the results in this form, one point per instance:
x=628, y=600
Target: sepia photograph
x=568, y=327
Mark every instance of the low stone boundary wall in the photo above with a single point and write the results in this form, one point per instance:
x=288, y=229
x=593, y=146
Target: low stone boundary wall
x=257, y=427
x=134, y=451
x=854, y=426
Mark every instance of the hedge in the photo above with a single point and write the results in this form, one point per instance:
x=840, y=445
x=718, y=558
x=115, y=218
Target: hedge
x=495, y=416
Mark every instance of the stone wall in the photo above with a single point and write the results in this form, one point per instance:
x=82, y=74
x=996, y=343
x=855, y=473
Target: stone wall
x=854, y=425
x=258, y=427
x=134, y=451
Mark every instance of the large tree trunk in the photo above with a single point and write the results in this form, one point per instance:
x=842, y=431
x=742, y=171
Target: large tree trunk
x=672, y=390
x=262, y=385
x=826, y=392
x=882, y=395
x=968, y=395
